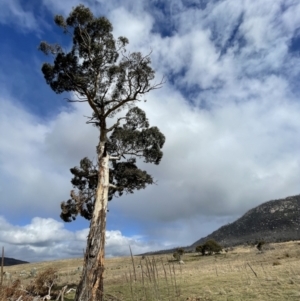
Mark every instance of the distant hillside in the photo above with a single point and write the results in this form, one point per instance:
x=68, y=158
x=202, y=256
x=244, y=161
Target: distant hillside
x=11, y=261
x=273, y=221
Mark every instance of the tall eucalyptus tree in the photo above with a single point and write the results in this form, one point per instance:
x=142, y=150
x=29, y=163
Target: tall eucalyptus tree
x=99, y=72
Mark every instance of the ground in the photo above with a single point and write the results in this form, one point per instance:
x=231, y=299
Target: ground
x=243, y=273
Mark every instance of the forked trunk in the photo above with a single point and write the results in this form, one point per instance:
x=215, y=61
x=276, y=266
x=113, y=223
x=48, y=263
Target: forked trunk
x=90, y=287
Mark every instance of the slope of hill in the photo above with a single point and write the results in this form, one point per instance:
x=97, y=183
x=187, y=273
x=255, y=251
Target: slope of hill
x=11, y=261
x=273, y=221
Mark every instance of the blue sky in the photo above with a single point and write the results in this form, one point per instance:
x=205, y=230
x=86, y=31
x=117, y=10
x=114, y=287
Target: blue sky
x=229, y=110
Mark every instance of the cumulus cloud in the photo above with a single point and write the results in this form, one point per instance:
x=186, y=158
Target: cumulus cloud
x=219, y=162
x=47, y=239
x=36, y=156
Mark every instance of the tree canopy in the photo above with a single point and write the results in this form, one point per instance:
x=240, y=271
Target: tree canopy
x=134, y=139
x=100, y=72
x=209, y=247
x=97, y=68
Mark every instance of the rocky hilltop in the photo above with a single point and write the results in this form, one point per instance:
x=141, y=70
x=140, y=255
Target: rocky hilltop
x=273, y=221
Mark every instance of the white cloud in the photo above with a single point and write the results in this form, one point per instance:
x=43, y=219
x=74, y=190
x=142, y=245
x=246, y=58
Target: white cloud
x=137, y=29
x=69, y=138
x=61, y=7
x=36, y=156
x=40, y=231
x=47, y=239
x=12, y=12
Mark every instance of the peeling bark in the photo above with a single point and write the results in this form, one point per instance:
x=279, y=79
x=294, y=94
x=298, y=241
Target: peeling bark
x=90, y=287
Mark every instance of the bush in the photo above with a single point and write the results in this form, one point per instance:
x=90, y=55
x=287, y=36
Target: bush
x=260, y=245
x=44, y=282
x=179, y=252
x=199, y=249
x=209, y=247
x=40, y=286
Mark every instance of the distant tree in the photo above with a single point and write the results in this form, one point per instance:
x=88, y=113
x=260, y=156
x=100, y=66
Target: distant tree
x=178, y=254
x=100, y=73
x=199, y=249
x=209, y=247
x=175, y=255
x=260, y=245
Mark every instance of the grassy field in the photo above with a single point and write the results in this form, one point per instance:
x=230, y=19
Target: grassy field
x=243, y=273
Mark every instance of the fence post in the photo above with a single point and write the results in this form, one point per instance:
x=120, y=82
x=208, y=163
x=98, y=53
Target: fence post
x=2, y=263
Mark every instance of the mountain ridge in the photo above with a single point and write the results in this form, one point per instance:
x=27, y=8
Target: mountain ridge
x=12, y=261
x=272, y=221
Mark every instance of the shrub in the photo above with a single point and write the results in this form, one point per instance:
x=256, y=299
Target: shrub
x=260, y=245
x=12, y=291
x=210, y=247
x=179, y=252
x=43, y=283
x=199, y=249
x=40, y=286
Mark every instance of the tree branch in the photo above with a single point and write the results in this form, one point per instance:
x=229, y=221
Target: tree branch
x=116, y=124
x=114, y=157
x=113, y=186
x=72, y=100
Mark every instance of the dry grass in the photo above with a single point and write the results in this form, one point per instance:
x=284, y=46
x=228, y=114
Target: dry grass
x=241, y=274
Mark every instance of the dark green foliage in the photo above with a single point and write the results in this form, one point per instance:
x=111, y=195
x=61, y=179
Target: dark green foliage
x=124, y=175
x=85, y=180
x=213, y=247
x=180, y=251
x=209, y=247
x=199, y=249
x=93, y=42
x=93, y=67
x=99, y=72
x=134, y=138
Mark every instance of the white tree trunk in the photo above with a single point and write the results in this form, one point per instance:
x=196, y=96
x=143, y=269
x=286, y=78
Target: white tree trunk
x=90, y=287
